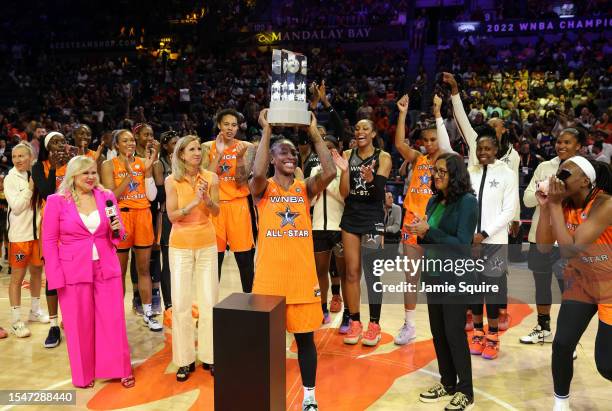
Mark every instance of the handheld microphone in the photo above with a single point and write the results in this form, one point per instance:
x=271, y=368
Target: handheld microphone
x=111, y=213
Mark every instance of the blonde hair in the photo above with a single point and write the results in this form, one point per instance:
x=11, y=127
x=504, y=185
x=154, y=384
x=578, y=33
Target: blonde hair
x=27, y=146
x=178, y=164
x=76, y=166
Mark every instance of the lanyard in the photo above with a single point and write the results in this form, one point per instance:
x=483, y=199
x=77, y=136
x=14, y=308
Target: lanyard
x=528, y=159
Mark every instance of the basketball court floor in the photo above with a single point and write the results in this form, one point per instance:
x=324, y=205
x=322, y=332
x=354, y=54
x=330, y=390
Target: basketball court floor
x=349, y=378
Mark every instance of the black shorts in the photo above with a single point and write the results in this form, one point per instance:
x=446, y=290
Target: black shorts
x=325, y=240
x=542, y=262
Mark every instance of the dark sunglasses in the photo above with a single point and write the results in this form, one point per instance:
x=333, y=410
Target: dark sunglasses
x=564, y=174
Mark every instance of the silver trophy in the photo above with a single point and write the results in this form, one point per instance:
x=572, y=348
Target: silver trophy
x=288, y=104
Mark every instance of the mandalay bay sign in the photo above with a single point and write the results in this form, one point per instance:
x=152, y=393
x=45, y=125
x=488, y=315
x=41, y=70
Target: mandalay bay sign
x=344, y=34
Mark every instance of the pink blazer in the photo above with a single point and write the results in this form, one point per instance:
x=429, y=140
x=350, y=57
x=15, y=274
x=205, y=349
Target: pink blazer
x=67, y=244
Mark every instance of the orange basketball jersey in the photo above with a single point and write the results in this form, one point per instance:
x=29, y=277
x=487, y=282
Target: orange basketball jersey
x=226, y=170
x=285, y=254
x=134, y=196
x=419, y=191
x=593, y=266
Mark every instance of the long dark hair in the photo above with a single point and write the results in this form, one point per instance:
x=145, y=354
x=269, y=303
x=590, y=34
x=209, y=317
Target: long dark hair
x=165, y=138
x=603, y=171
x=459, y=182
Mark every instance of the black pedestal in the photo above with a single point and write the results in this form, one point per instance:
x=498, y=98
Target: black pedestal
x=249, y=341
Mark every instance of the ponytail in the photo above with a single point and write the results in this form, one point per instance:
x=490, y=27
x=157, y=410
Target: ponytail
x=603, y=171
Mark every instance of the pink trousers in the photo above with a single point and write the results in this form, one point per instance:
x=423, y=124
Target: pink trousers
x=94, y=324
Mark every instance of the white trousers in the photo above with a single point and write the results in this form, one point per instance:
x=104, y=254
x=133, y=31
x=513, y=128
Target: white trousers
x=193, y=274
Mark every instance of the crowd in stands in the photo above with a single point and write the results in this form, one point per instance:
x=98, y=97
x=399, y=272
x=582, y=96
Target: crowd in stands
x=321, y=13
x=513, y=82
x=538, y=88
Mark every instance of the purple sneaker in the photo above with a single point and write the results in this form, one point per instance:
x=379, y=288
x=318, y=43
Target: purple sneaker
x=345, y=325
x=326, y=318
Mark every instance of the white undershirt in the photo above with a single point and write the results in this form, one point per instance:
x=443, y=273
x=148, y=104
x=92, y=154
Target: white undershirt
x=92, y=222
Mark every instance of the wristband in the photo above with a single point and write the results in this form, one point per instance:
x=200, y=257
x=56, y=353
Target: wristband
x=484, y=234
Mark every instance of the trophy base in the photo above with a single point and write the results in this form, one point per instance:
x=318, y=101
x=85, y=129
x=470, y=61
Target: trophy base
x=288, y=113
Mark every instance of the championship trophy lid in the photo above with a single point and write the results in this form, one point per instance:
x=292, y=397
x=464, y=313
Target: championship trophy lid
x=288, y=104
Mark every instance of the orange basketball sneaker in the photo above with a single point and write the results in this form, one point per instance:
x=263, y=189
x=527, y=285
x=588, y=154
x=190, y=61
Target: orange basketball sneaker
x=477, y=344
x=354, y=333
x=168, y=318
x=195, y=311
x=503, y=320
x=491, y=348
x=336, y=304
x=469, y=321
x=372, y=335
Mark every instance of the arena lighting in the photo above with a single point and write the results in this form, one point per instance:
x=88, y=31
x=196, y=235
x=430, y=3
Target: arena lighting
x=467, y=26
x=565, y=10
x=190, y=18
x=288, y=89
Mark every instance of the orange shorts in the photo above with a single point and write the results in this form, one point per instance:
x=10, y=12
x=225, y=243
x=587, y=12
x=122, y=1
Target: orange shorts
x=25, y=253
x=303, y=318
x=138, y=229
x=233, y=225
x=605, y=313
x=408, y=238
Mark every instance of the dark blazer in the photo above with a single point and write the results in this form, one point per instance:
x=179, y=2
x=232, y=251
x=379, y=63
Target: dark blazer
x=451, y=241
x=458, y=223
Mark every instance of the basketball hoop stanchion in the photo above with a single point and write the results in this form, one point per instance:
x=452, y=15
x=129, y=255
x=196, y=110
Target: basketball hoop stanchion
x=250, y=353
x=288, y=104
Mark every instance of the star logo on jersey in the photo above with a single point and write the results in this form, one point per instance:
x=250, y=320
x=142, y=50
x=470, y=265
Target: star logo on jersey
x=133, y=185
x=288, y=217
x=224, y=167
x=360, y=183
x=425, y=179
x=19, y=256
x=494, y=183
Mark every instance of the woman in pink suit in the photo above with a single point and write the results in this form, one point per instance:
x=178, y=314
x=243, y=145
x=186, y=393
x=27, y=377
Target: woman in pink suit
x=81, y=264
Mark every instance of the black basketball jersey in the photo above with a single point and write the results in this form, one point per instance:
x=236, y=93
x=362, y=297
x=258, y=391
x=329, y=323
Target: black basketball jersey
x=363, y=212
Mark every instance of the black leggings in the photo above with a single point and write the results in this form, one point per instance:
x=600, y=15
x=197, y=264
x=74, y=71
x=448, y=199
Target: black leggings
x=492, y=310
x=165, y=277
x=574, y=317
x=494, y=301
x=244, y=260
x=542, y=285
x=307, y=358
x=541, y=265
x=375, y=299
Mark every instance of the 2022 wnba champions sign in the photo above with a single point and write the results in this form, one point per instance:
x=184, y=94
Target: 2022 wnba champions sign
x=541, y=26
